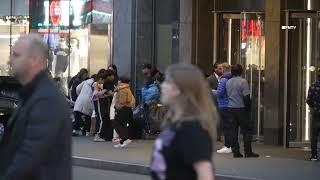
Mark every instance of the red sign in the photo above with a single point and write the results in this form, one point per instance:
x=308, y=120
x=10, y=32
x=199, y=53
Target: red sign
x=55, y=12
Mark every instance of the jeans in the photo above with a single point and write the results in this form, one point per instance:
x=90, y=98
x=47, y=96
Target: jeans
x=241, y=117
x=315, y=130
x=226, y=124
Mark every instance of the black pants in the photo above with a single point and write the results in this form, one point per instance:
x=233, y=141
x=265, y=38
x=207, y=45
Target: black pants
x=106, y=130
x=123, y=117
x=315, y=133
x=82, y=120
x=241, y=118
x=226, y=124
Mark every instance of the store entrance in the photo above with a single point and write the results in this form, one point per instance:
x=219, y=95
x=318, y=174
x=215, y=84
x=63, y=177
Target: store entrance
x=303, y=57
x=239, y=39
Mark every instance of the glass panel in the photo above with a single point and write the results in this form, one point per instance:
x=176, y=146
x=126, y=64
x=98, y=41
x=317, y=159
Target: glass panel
x=230, y=41
x=253, y=59
x=242, y=41
x=4, y=46
x=303, y=63
x=166, y=33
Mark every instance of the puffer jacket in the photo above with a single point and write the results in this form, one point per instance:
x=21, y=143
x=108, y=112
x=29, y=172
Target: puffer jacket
x=84, y=103
x=124, y=96
x=150, y=93
x=313, y=99
x=221, y=92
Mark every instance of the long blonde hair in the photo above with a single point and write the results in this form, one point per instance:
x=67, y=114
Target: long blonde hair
x=195, y=99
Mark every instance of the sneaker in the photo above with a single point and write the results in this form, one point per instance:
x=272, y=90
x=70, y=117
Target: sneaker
x=237, y=155
x=116, y=140
x=118, y=145
x=98, y=139
x=224, y=150
x=76, y=133
x=314, y=158
x=252, y=155
x=126, y=142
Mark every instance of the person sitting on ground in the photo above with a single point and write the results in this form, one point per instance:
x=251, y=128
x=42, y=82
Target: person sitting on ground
x=124, y=103
x=151, y=91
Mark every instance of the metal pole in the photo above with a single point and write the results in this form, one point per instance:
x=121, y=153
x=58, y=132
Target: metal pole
x=285, y=94
x=10, y=19
x=259, y=139
x=215, y=29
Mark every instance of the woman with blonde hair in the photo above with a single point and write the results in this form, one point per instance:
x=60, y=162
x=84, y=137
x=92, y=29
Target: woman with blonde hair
x=184, y=149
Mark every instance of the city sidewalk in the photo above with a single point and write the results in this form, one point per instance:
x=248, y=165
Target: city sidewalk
x=274, y=163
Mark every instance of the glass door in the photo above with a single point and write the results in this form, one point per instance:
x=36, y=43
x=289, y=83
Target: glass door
x=303, y=36
x=242, y=41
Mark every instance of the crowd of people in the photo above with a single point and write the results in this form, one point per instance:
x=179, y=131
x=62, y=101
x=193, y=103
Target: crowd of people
x=103, y=105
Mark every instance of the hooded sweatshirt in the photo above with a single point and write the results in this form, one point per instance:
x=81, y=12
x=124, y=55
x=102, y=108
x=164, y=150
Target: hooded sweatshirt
x=221, y=92
x=124, y=97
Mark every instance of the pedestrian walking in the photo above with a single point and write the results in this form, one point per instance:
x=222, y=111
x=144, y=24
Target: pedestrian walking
x=37, y=142
x=239, y=104
x=313, y=101
x=124, y=103
x=184, y=148
x=222, y=98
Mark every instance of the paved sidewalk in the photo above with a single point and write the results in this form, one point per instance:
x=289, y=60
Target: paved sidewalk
x=274, y=163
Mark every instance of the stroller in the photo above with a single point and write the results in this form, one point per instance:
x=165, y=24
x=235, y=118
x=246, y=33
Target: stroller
x=149, y=118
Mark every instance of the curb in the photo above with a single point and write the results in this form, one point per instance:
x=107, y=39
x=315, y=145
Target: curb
x=130, y=167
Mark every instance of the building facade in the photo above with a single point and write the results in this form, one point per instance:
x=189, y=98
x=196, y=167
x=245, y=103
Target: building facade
x=277, y=41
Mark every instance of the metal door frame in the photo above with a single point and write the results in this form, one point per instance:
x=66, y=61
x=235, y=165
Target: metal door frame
x=237, y=16
x=289, y=14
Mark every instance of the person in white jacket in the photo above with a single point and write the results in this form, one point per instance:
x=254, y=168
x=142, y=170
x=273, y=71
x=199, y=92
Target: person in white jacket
x=83, y=108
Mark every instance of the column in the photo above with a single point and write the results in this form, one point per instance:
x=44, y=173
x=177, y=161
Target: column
x=185, y=31
x=122, y=36
x=273, y=115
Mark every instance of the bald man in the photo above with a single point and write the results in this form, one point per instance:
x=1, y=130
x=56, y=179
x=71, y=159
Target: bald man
x=37, y=143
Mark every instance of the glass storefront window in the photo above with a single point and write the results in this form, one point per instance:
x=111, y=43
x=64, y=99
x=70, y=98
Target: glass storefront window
x=10, y=31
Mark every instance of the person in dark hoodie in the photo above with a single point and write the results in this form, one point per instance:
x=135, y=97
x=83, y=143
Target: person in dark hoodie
x=239, y=106
x=313, y=101
x=222, y=98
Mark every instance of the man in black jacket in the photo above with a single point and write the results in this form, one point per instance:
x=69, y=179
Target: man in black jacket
x=313, y=101
x=37, y=142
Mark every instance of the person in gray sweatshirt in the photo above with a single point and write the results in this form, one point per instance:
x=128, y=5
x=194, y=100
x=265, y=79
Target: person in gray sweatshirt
x=239, y=104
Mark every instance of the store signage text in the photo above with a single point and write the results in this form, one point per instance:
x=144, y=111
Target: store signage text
x=59, y=11
x=288, y=27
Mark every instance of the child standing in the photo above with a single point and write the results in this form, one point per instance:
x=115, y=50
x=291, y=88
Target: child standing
x=124, y=102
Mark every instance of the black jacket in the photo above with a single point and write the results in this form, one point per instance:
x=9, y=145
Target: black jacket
x=313, y=99
x=213, y=82
x=37, y=142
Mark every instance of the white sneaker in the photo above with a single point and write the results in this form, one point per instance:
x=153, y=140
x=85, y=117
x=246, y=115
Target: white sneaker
x=125, y=144
x=224, y=150
x=98, y=139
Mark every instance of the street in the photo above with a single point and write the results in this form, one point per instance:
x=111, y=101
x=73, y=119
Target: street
x=80, y=173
